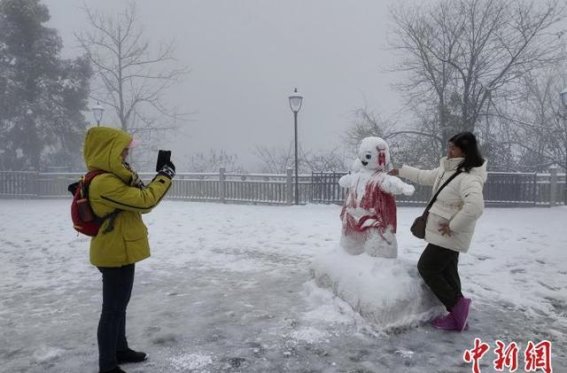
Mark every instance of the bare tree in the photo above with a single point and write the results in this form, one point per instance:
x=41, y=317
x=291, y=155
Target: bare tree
x=462, y=54
x=131, y=79
x=333, y=160
x=365, y=123
x=275, y=160
x=540, y=124
x=213, y=161
x=403, y=142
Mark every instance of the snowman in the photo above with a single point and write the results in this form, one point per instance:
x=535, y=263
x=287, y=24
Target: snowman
x=369, y=212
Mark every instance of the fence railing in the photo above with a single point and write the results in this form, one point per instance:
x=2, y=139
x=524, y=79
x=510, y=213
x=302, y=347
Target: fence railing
x=501, y=189
x=235, y=188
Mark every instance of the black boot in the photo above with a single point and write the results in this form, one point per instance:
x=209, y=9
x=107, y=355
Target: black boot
x=115, y=370
x=130, y=356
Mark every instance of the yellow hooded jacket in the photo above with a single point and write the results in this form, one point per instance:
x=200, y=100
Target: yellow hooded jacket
x=127, y=242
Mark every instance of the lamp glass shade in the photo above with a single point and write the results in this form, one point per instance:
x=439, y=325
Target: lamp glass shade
x=295, y=101
x=98, y=110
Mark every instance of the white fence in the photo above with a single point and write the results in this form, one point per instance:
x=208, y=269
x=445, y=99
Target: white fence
x=213, y=187
x=501, y=189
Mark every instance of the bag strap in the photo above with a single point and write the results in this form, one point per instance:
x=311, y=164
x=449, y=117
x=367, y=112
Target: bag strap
x=432, y=201
x=87, y=178
x=86, y=181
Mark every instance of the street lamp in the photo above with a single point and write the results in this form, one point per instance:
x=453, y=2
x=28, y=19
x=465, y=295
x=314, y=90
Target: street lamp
x=563, y=96
x=295, y=100
x=97, y=113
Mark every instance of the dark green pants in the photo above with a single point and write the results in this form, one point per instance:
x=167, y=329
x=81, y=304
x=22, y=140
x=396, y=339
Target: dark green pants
x=438, y=268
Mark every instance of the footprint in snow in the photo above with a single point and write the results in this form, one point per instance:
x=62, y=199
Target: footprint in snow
x=517, y=270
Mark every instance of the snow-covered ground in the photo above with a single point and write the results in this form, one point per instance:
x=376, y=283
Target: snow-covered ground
x=228, y=289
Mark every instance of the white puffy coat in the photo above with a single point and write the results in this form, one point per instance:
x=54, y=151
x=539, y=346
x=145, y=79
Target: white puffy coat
x=460, y=203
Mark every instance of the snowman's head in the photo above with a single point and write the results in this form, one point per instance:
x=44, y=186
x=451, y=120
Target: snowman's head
x=374, y=154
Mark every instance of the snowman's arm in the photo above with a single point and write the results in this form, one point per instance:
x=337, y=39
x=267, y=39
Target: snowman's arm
x=346, y=181
x=394, y=185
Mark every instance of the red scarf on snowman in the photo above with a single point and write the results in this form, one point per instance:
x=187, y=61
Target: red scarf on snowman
x=374, y=209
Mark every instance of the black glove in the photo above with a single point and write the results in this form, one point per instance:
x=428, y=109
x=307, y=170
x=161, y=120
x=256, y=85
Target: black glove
x=72, y=188
x=168, y=170
x=162, y=159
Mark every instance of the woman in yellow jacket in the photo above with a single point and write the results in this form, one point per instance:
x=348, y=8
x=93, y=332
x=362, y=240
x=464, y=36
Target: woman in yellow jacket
x=121, y=197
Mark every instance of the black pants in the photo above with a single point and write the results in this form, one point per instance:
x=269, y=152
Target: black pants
x=116, y=290
x=438, y=268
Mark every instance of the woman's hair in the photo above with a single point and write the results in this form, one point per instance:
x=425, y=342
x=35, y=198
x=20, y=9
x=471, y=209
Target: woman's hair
x=466, y=141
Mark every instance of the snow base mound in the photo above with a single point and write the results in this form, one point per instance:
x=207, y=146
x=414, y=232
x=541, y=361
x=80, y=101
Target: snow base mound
x=388, y=293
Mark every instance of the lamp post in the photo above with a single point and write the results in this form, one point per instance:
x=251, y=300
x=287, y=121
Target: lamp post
x=563, y=96
x=98, y=110
x=295, y=101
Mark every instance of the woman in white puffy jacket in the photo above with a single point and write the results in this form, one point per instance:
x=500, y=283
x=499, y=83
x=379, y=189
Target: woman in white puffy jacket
x=450, y=224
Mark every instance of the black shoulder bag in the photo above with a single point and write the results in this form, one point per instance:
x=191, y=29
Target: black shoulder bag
x=418, y=226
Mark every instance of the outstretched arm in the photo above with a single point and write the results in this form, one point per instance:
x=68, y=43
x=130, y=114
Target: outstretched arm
x=346, y=181
x=394, y=185
x=423, y=177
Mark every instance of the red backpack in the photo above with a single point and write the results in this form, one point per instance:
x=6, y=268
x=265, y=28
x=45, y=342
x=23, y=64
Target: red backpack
x=84, y=219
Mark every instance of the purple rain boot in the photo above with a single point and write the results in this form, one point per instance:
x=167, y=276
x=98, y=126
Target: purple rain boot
x=446, y=322
x=460, y=313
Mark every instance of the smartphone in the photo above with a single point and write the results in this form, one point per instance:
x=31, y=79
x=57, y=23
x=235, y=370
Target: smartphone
x=162, y=159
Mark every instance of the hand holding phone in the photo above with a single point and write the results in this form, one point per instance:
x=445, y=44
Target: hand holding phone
x=163, y=159
x=164, y=166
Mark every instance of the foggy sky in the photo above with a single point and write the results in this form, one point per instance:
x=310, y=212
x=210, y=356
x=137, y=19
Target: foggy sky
x=246, y=56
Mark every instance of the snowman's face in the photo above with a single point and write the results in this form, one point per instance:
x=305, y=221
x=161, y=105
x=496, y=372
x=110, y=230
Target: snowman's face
x=374, y=155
